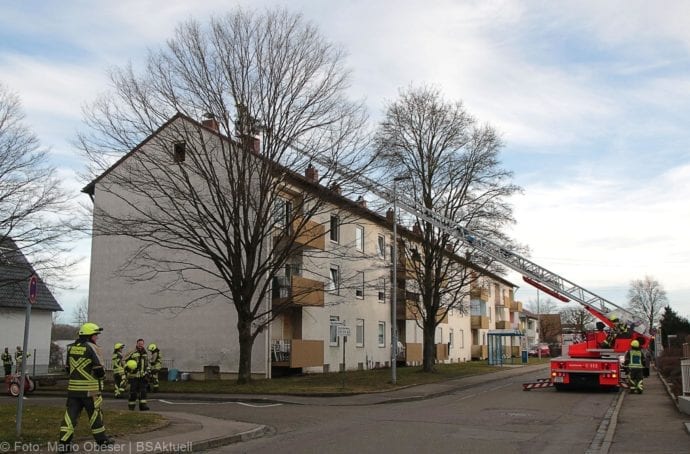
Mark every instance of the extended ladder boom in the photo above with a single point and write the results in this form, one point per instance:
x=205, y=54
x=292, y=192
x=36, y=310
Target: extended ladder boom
x=534, y=274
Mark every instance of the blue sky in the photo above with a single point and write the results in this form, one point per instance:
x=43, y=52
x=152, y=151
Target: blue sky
x=592, y=100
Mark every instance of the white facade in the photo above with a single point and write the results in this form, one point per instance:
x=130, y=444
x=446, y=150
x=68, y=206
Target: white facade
x=12, y=322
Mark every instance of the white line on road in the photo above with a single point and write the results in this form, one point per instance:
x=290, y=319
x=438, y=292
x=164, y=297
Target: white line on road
x=219, y=403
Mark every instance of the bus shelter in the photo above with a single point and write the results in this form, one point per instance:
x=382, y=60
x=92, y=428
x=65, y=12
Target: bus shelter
x=501, y=345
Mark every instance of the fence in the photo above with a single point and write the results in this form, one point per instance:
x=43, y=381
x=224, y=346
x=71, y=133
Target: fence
x=685, y=373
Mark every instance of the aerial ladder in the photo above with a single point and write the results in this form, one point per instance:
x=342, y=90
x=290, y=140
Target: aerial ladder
x=595, y=361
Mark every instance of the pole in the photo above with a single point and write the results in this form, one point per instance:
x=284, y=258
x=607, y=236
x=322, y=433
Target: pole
x=539, y=325
x=394, y=293
x=344, y=368
x=22, y=375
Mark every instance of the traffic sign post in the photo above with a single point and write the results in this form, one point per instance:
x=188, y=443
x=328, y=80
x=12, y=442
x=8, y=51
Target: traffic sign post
x=33, y=289
x=343, y=331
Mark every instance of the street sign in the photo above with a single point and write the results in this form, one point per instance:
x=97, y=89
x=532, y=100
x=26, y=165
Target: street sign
x=33, y=288
x=343, y=331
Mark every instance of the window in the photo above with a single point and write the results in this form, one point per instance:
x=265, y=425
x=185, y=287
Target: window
x=381, y=290
x=381, y=247
x=282, y=213
x=359, y=283
x=335, y=228
x=450, y=339
x=359, y=332
x=335, y=322
x=359, y=238
x=382, y=334
x=334, y=280
x=179, y=151
x=461, y=339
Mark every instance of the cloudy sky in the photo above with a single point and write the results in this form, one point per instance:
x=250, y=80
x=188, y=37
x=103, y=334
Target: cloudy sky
x=592, y=100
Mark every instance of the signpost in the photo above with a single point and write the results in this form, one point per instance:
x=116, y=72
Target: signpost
x=33, y=288
x=343, y=331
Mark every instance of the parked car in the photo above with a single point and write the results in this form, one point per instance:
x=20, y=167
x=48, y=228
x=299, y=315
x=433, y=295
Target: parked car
x=535, y=350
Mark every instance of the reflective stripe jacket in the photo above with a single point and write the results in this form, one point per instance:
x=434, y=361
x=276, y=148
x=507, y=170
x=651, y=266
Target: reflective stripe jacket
x=6, y=359
x=84, y=367
x=118, y=368
x=142, y=359
x=634, y=359
x=156, y=360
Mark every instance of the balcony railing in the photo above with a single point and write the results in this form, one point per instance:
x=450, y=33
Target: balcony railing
x=300, y=291
x=479, y=322
x=297, y=353
x=479, y=293
x=503, y=324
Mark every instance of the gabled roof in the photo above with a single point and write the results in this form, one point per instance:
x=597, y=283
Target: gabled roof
x=302, y=181
x=15, y=272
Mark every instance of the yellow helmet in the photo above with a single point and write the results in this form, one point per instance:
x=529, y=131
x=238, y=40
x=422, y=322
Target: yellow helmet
x=613, y=318
x=635, y=344
x=89, y=329
x=152, y=347
x=119, y=345
x=131, y=364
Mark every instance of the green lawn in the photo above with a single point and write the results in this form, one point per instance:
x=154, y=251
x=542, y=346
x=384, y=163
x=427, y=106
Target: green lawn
x=41, y=423
x=332, y=383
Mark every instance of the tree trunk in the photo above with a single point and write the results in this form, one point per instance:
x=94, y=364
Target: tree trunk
x=244, y=374
x=429, y=349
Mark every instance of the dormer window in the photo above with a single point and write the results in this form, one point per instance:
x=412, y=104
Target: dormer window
x=179, y=152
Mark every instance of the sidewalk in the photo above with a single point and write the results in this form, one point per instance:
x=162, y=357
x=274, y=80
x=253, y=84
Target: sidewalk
x=647, y=423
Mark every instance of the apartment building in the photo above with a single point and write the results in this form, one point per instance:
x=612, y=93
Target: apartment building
x=338, y=281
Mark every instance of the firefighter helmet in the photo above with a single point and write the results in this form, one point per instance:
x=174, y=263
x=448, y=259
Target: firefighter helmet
x=119, y=345
x=131, y=364
x=152, y=347
x=613, y=318
x=89, y=329
x=635, y=344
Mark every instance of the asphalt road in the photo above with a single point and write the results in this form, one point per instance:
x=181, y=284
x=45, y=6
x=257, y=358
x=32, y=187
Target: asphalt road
x=497, y=417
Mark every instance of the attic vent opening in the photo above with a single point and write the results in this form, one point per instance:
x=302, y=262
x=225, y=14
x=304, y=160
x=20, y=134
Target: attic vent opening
x=179, y=151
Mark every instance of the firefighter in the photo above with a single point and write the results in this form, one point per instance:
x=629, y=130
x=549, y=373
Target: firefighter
x=635, y=363
x=620, y=330
x=7, y=362
x=19, y=357
x=118, y=370
x=156, y=365
x=138, y=372
x=85, y=371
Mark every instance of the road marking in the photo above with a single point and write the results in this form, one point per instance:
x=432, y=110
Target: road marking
x=220, y=403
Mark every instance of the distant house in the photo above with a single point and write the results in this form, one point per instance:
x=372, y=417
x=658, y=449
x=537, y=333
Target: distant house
x=15, y=273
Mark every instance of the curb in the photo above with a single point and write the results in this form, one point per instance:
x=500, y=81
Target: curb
x=217, y=442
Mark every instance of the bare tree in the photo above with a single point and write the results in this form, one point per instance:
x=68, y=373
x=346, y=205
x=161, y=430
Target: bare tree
x=543, y=306
x=576, y=318
x=34, y=210
x=223, y=223
x=449, y=164
x=646, y=298
x=80, y=314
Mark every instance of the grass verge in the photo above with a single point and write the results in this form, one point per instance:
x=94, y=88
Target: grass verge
x=41, y=423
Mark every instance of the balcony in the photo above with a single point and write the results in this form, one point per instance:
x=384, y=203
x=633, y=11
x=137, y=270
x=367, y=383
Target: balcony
x=479, y=293
x=297, y=353
x=480, y=352
x=479, y=322
x=312, y=235
x=503, y=324
x=300, y=292
x=515, y=306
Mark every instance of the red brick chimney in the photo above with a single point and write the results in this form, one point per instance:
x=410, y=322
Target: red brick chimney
x=389, y=215
x=361, y=202
x=210, y=123
x=335, y=187
x=312, y=174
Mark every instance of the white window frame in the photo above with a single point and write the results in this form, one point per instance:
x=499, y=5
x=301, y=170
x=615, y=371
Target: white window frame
x=334, y=279
x=381, y=290
x=359, y=238
x=382, y=334
x=451, y=338
x=335, y=232
x=381, y=246
x=334, y=339
x=359, y=285
x=359, y=332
